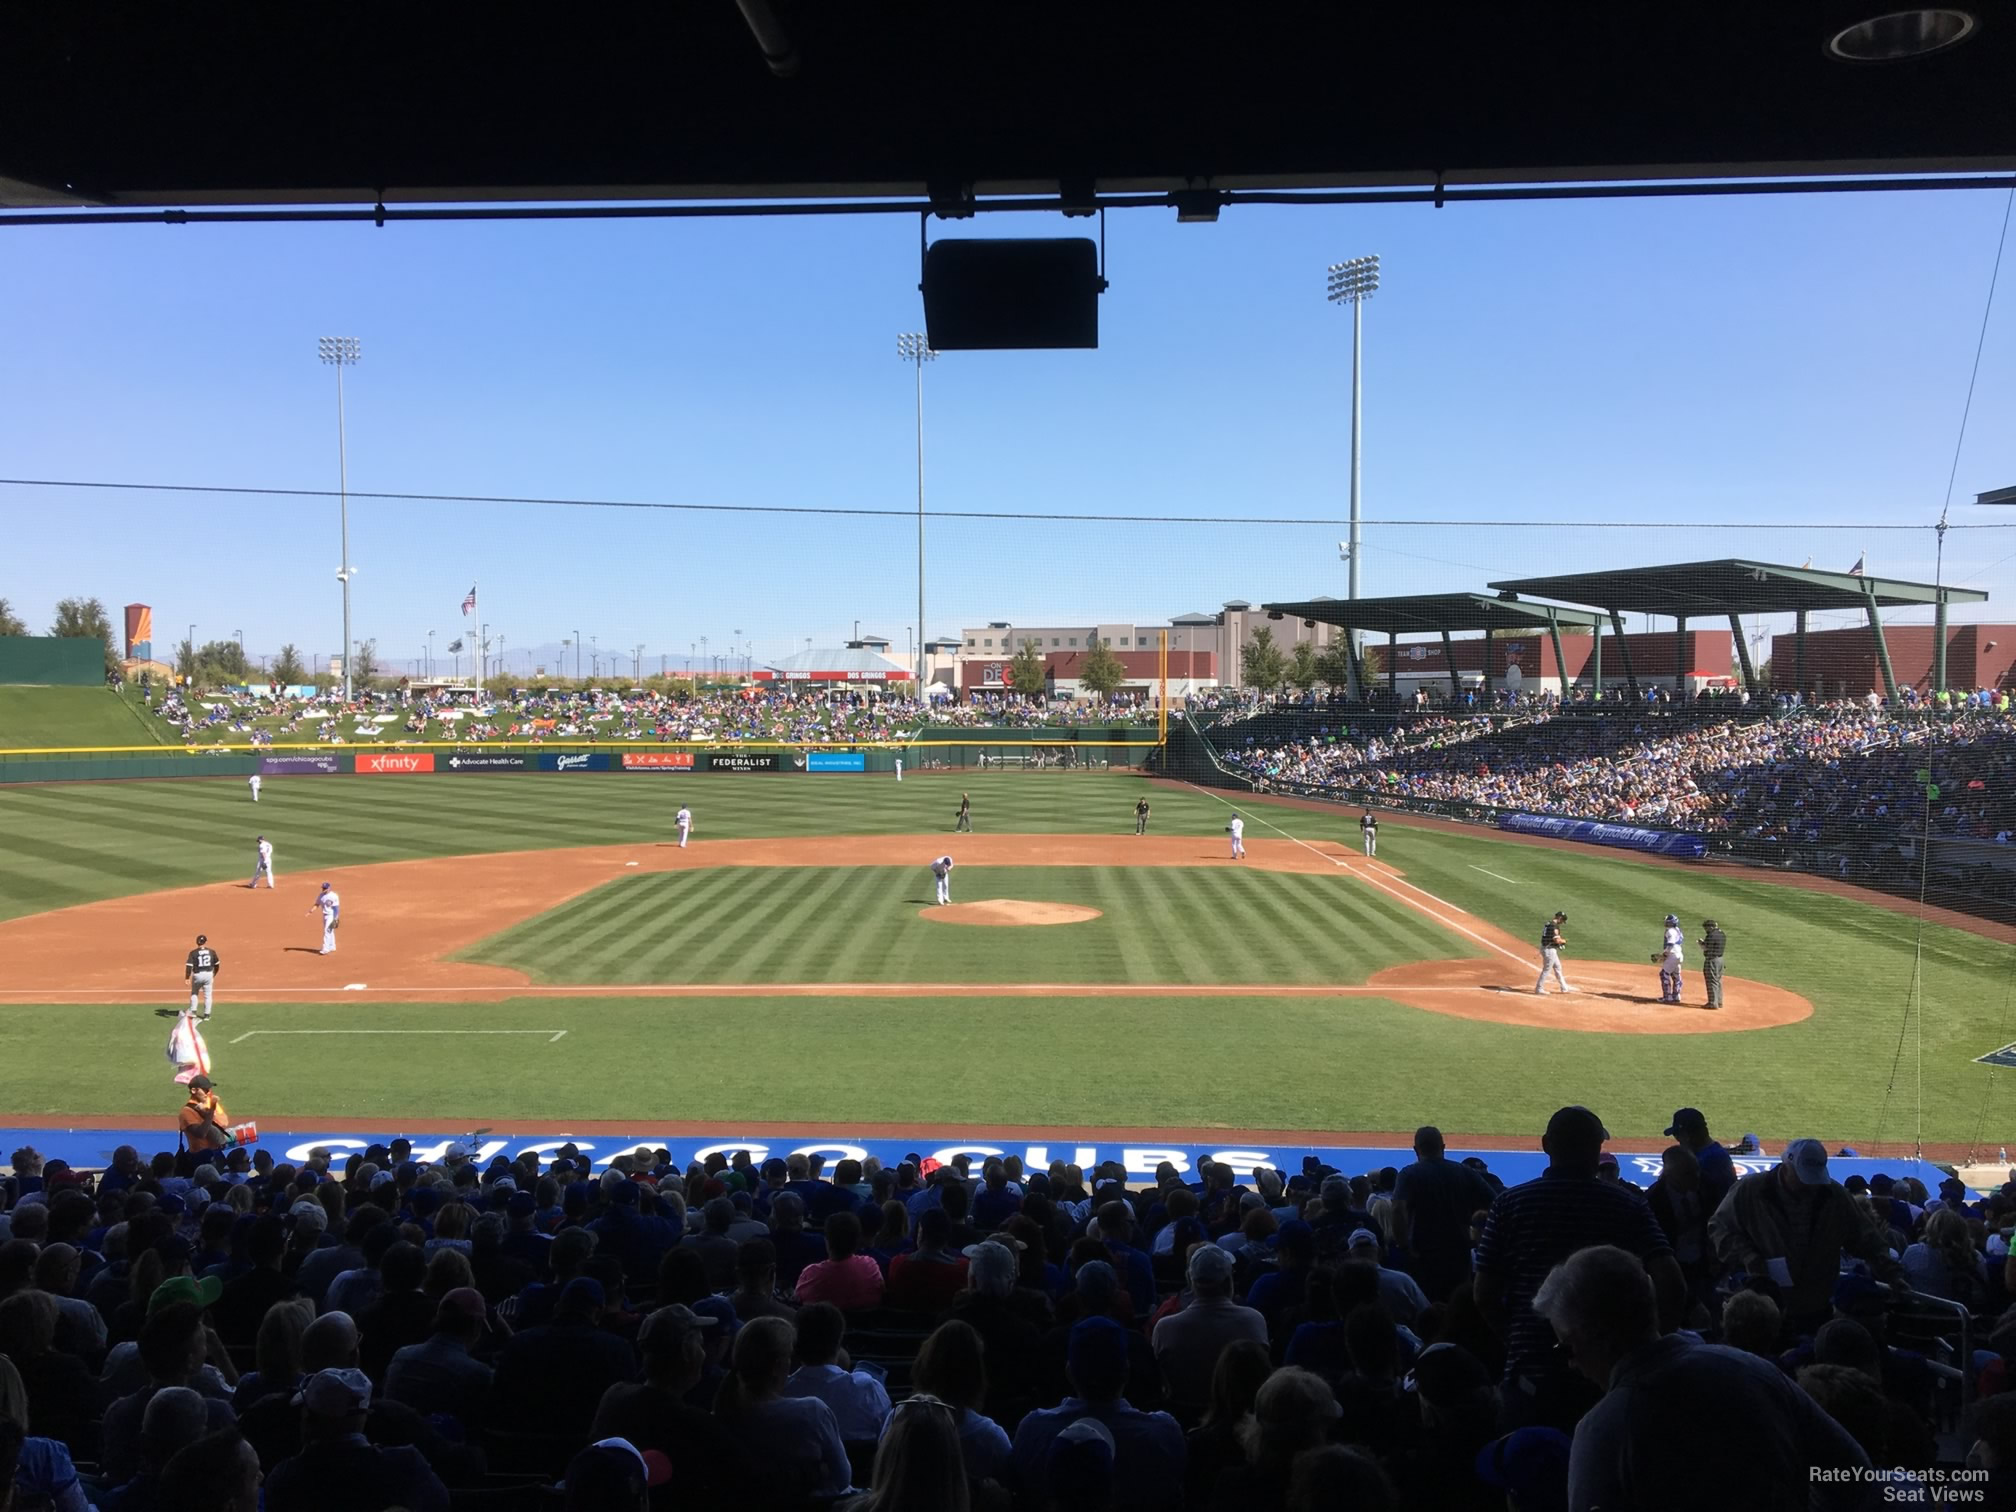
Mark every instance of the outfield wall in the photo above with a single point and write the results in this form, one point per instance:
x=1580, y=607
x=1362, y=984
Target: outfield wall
x=52, y=661
x=1088, y=748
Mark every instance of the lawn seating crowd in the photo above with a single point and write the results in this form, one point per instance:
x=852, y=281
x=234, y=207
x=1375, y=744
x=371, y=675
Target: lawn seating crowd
x=372, y=1331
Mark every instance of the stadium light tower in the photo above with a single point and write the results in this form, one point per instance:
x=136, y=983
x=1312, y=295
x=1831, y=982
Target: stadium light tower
x=915, y=348
x=1352, y=282
x=341, y=352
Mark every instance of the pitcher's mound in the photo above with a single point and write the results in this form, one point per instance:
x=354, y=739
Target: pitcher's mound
x=1008, y=911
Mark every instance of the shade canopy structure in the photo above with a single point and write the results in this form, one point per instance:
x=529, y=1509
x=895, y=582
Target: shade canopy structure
x=167, y=105
x=1436, y=613
x=1735, y=586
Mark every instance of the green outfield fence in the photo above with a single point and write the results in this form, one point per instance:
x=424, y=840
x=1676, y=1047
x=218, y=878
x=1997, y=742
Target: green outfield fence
x=1080, y=748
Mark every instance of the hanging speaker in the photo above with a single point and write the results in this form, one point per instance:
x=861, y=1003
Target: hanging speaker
x=1012, y=295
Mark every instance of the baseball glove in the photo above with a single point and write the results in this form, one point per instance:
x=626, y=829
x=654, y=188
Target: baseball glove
x=1658, y=956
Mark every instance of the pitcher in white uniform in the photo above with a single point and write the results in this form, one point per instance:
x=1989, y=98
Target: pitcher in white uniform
x=684, y=819
x=262, y=863
x=1237, y=830
x=941, y=871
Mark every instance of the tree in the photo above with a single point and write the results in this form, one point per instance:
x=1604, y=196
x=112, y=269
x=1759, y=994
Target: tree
x=1303, y=670
x=364, y=664
x=185, y=658
x=287, y=667
x=1266, y=668
x=1102, y=671
x=221, y=659
x=85, y=619
x=1333, y=667
x=10, y=622
x=1027, y=672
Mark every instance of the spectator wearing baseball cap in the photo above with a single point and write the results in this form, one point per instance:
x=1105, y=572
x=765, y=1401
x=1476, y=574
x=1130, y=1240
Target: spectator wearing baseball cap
x=1188, y=1343
x=653, y=1413
x=1148, y=1447
x=1788, y=1229
x=440, y=1374
x=174, y=1346
x=613, y=1475
x=1532, y=1228
x=336, y=1454
x=1772, y=1445
x=1718, y=1171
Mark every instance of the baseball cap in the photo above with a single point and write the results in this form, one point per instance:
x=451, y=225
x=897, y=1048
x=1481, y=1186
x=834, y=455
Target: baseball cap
x=1576, y=1122
x=716, y=1310
x=581, y=1292
x=1079, y=1462
x=1097, y=1341
x=456, y=1151
x=624, y=1194
x=202, y=1290
x=1295, y=1234
x=325, y=887
x=611, y=1470
x=1445, y=1371
x=335, y=1393
x=1808, y=1159
x=522, y=1205
x=202, y=939
x=1687, y=1120
x=1211, y=1262
x=201, y=1083
x=1531, y=1464
x=1362, y=1236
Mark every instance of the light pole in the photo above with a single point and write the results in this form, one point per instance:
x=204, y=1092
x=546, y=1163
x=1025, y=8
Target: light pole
x=430, y=653
x=734, y=655
x=915, y=348
x=341, y=352
x=1353, y=282
x=192, y=654
x=577, y=656
x=703, y=652
x=637, y=662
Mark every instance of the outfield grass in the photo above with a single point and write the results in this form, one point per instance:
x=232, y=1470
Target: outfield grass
x=862, y=924
x=1291, y=1063
x=44, y=717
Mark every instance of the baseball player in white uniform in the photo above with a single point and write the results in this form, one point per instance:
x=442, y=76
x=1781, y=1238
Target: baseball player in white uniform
x=332, y=911
x=201, y=970
x=684, y=819
x=941, y=870
x=899, y=768
x=253, y=783
x=262, y=863
x=1669, y=961
x=1237, y=830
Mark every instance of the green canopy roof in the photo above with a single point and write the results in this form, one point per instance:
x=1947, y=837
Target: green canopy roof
x=1734, y=586
x=1417, y=613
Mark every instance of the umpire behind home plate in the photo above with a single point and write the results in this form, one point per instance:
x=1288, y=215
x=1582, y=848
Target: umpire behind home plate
x=1713, y=943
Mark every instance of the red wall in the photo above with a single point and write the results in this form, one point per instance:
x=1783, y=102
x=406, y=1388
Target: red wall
x=1141, y=666
x=1843, y=662
x=1707, y=653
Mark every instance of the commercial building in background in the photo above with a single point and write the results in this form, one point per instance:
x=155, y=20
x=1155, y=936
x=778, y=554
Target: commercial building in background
x=1206, y=651
x=863, y=662
x=1843, y=664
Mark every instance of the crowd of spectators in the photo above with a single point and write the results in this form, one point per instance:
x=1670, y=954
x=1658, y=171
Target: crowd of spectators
x=376, y=1331
x=1838, y=775
x=789, y=712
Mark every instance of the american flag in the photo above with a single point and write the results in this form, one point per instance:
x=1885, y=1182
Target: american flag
x=1856, y=570
x=469, y=603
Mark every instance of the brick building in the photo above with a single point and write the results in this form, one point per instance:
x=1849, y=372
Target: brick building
x=1843, y=663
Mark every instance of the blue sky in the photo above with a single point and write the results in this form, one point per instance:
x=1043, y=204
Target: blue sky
x=1795, y=361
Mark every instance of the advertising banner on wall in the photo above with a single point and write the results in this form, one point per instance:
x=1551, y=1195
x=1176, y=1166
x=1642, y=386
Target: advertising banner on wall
x=742, y=761
x=574, y=761
x=657, y=761
x=394, y=763
x=298, y=766
x=835, y=761
x=1628, y=836
x=481, y=761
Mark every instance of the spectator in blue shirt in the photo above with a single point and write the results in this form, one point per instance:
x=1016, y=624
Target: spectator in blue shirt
x=1148, y=1451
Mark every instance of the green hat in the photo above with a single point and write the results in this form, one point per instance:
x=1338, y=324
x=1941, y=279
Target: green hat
x=202, y=1290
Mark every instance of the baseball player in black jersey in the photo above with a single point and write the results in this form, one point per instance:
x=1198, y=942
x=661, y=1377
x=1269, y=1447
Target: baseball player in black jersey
x=201, y=970
x=1368, y=829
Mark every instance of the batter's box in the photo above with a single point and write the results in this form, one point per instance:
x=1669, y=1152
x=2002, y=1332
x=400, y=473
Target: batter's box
x=2006, y=1056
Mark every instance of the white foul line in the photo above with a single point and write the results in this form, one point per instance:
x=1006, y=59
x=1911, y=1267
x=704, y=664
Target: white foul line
x=1490, y=873
x=552, y=1034
x=1366, y=876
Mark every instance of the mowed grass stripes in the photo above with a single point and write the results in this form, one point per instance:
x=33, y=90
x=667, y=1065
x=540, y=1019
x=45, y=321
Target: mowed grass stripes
x=770, y=925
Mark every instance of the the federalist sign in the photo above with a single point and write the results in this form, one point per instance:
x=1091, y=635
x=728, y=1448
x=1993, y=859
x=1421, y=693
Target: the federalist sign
x=742, y=761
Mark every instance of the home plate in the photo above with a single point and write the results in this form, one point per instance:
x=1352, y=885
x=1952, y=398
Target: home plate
x=353, y=987
x=629, y=863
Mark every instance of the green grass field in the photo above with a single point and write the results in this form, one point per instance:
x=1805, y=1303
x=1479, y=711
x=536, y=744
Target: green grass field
x=46, y=717
x=1314, y=1063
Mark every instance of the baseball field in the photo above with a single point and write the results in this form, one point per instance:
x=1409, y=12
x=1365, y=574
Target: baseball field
x=538, y=948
